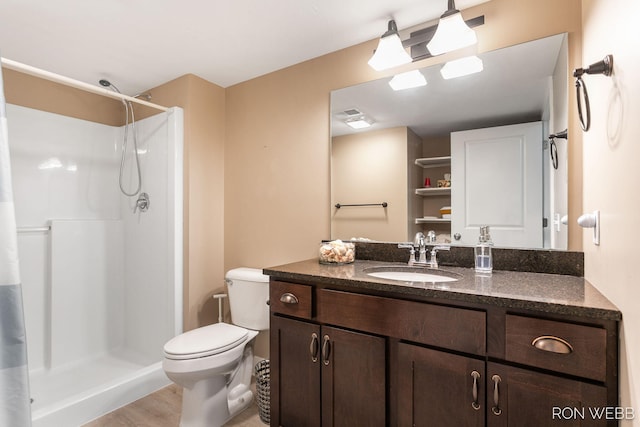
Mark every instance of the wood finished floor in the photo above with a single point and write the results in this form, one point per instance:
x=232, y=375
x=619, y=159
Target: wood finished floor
x=162, y=409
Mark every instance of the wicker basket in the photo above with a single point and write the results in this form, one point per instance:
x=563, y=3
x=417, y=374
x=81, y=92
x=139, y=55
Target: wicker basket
x=263, y=393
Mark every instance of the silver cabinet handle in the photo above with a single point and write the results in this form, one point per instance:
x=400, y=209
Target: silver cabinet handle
x=474, y=390
x=289, y=298
x=552, y=344
x=314, y=347
x=496, y=395
x=457, y=236
x=326, y=349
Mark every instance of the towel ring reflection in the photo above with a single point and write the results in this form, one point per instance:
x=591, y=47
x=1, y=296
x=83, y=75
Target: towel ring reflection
x=553, y=148
x=553, y=151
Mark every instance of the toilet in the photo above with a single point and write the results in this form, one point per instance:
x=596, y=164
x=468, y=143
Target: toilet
x=214, y=363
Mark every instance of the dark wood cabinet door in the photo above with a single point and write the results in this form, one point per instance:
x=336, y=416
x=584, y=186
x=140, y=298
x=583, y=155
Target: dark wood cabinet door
x=530, y=399
x=295, y=373
x=353, y=379
x=436, y=388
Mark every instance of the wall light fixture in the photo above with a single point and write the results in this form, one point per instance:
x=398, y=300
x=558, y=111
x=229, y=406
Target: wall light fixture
x=452, y=32
x=390, y=52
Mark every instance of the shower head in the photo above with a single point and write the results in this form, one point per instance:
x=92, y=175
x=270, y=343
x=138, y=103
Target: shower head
x=107, y=83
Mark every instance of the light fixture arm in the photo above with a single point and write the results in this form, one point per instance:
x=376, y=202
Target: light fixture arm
x=451, y=9
x=392, y=29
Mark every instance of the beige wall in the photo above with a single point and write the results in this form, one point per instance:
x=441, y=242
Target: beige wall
x=611, y=155
x=370, y=167
x=277, y=204
x=204, y=112
x=28, y=91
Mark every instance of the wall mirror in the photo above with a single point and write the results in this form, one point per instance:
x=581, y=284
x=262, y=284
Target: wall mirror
x=444, y=190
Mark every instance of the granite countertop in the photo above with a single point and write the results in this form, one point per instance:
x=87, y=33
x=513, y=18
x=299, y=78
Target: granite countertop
x=548, y=293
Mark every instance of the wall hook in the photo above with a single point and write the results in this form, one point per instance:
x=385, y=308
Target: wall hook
x=601, y=67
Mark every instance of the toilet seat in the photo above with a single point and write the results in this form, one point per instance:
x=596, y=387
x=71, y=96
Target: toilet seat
x=205, y=341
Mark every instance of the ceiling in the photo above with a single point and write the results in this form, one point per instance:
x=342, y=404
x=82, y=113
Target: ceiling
x=140, y=44
x=512, y=88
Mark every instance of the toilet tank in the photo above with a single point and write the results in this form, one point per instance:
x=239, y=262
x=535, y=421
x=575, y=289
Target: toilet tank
x=248, y=292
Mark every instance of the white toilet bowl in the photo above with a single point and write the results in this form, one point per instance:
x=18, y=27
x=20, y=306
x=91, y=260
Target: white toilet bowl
x=214, y=363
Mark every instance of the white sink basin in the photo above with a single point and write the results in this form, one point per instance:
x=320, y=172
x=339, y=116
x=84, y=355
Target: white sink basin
x=411, y=274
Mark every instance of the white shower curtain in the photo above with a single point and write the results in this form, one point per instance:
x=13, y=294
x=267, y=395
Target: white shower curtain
x=15, y=407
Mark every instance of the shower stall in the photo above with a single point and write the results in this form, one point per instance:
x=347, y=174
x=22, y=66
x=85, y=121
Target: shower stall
x=102, y=284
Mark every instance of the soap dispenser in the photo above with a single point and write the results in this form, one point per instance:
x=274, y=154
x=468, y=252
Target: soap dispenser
x=483, y=257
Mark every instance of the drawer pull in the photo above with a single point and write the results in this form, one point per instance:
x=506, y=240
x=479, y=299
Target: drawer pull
x=314, y=347
x=552, y=344
x=289, y=298
x=474, y=391
x=496, y=395
x=326, y=349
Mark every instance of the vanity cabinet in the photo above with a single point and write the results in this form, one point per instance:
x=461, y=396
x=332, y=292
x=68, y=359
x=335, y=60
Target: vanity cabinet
x=324, y=376
x=440, y=388
x=437, y=388
x=345, y=357
x=527, y=398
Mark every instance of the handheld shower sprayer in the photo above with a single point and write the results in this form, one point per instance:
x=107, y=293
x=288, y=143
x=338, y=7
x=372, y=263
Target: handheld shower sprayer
x=143, y=199
x=107, y=83
x=601, y=67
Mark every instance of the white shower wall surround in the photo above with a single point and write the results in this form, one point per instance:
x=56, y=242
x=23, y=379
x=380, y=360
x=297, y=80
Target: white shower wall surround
x=102, y=289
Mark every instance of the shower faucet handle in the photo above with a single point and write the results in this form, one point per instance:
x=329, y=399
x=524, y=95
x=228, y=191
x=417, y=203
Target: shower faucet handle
x=142, y=203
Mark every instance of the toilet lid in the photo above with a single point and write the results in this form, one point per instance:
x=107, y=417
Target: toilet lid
x=205, y=341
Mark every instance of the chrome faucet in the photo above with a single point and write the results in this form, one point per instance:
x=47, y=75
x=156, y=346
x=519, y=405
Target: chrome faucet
x=419, y=242
x=422, y=242
x=412, y=251
x=433, y=258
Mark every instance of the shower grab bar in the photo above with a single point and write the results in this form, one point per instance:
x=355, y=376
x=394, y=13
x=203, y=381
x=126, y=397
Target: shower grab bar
x=47, y=75
x=33, y=229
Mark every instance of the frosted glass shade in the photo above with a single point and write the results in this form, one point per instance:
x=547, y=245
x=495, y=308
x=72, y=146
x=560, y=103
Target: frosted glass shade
x=407, y=80
x=390, y=53
x=452, y=34
x=461, y=67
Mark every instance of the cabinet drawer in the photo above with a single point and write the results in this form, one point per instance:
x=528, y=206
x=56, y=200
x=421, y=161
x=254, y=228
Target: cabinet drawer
x=290, y=298
x=447, y=327
x=557, y=346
